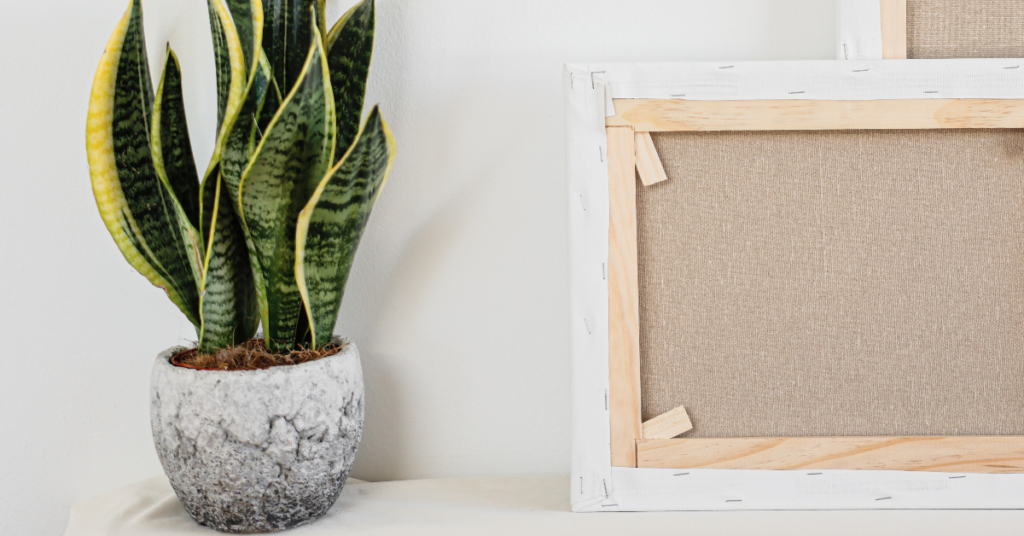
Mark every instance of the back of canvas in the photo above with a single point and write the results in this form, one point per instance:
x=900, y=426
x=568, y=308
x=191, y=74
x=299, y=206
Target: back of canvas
x=965, y=29
x=835, y=283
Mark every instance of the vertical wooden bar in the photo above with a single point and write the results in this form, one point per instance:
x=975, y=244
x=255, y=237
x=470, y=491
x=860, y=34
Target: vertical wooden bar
x=623, y=299
x=894, y=29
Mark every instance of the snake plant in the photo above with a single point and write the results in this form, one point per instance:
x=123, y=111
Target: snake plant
x=269, y=233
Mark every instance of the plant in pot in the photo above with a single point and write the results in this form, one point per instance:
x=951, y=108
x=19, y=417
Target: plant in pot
x=254, y=434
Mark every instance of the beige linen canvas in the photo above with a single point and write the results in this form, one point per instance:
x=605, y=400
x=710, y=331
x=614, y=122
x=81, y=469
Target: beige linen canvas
x=965, y=29
x=835, y=283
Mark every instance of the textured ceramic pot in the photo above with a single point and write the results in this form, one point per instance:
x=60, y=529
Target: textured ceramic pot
x=262, y=450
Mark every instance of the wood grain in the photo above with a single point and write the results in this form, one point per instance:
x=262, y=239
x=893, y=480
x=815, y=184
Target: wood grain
x=894, y=29
x=675, y=115
x=623, y=299
x=962, y=454
x=668, y=424
x=648, y=163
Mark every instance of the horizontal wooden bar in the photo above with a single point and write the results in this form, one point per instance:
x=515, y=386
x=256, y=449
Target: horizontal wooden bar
x=675, y=115
x=960, y=454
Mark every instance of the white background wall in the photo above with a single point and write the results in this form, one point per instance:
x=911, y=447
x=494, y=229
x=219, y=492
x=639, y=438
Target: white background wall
x=458, y=299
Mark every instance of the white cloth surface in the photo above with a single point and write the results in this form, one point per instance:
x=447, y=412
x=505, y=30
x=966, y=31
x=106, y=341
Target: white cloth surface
x=533, y=505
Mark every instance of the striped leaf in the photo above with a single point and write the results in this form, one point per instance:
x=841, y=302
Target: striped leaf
x=238, y=150
x=231, y=78
x=136, y=206
x=286, y=168
x=228, y=302
x=241, y=141
x=287, y=38
x=332, y=223
x=349, y=49
x=321, y=18
x=248, y=18
x=172, y=148
x=229, y=59
x=221, y=60
x=270, y=106
x=173, y=160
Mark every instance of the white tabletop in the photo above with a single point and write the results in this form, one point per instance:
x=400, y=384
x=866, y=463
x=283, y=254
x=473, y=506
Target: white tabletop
x=524, y=505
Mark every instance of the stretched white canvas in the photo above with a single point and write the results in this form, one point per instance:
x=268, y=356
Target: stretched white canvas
x=858, y=30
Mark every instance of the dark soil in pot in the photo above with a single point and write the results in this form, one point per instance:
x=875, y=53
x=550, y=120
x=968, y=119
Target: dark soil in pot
x=251, y=356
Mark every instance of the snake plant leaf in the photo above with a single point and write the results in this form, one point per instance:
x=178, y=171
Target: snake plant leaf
x=172, y=148
x=286, y=168
x=228, y=303
x=222, y=61
x=229, y=59
x=237, y=152
x=349, y=49
x=173, y=160
x=248, y=18
x=242, y=139
x=270, y=106
x=233, y=81
x=136, y=206
x=287, y=38
x=321, y=19
x=332, y=223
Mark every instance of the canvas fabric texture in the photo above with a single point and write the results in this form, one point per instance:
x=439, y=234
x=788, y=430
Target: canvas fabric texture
x=835, y=283
x=965, y=29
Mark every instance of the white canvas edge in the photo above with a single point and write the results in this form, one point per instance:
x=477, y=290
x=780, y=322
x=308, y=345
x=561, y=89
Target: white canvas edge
x=858, y=30
x=589, y=90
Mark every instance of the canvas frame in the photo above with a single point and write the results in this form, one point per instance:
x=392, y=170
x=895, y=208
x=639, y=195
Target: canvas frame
x=617, y=467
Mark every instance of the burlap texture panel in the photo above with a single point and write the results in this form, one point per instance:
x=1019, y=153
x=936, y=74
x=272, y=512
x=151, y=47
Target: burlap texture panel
x=835, y=283
x=965, y=29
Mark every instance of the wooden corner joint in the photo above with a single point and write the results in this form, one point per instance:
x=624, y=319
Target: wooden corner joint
x=667, y=425
x=648, y=164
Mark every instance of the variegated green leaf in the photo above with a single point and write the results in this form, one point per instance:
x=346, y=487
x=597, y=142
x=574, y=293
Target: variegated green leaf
x=173, y=160
x=268, y=110
x=228, y=303
x=136, y=206
x=321, y=19
x=286, y=168
x=349, y=49
x=172, y=147
x=248, y=18
x=287, y=38
x=236, y=155
x=229, y=58
x=232, y=79
x=221, y=60
x=331, y=224
x=241, y=141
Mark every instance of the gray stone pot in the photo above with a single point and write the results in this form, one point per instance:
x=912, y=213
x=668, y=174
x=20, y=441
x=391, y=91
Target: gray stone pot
x=258, y=451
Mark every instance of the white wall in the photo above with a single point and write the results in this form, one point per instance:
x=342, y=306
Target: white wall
x=458, y=299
